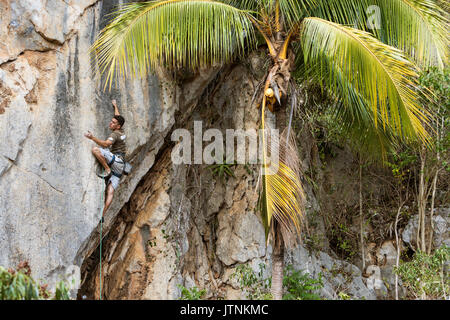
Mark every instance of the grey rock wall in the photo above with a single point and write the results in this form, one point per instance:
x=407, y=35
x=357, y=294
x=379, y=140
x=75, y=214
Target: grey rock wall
x=50, y=197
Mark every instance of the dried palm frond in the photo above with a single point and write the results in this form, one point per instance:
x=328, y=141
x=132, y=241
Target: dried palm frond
x=282, y=195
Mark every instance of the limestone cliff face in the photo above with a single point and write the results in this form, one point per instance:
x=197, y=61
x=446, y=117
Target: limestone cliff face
x=50, y=197
x=168, y=224
x=186, y=226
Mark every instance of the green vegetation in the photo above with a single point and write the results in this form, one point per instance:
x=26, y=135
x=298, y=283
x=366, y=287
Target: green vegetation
x=222, y=170
x=401, y=183
x=426, y=276
x=192, y=293
x=438, y=82
x=297, y=284
x=345, y=246
x=253, y=284
x=343, y=296
x=19, y=285
x=300, y=286
x=424, y=169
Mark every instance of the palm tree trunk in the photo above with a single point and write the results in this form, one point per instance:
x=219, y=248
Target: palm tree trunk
x=277, y=264
x=282, y=79
x=278, y=242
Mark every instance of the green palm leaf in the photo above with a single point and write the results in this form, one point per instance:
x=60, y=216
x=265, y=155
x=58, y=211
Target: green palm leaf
x=358, y=127
x=346, y=12
x=250, y=5
x=172, y=33
x=418, y=27
x=381, y=75
x=353, y=117
x=295, y=10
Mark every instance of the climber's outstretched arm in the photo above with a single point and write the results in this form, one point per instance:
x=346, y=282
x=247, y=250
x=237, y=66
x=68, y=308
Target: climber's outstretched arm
x=101, y=143
x=116, y=109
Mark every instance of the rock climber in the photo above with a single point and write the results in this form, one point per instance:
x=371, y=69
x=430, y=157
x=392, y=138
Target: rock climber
x=111, y=155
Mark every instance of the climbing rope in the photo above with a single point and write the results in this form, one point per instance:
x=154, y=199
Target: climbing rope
x=101, y=230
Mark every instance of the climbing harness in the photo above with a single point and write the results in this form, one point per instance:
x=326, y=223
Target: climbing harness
x=126, y=166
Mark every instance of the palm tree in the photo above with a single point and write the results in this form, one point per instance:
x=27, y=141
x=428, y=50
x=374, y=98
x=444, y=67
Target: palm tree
x=373, y=74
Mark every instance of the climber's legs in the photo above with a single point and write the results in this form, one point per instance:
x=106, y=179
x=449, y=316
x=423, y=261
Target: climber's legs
x=108, y=198
x=98, y=154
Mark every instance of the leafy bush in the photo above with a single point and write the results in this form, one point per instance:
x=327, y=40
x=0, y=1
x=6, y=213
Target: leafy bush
x=192, y=293
x=425, y=276
x=300, y=286
x=19, y=285
x=253, y=284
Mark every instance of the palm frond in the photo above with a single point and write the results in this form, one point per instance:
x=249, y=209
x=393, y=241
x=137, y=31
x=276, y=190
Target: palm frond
x=362, y=135
x=250, y=5
x=378, y=73
x=418, y=27
x=282, y=195
x=352, y=116
x=172, y=33
x=291, y=10
x=295, y=10
x=345, y=12
x=444, y=5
